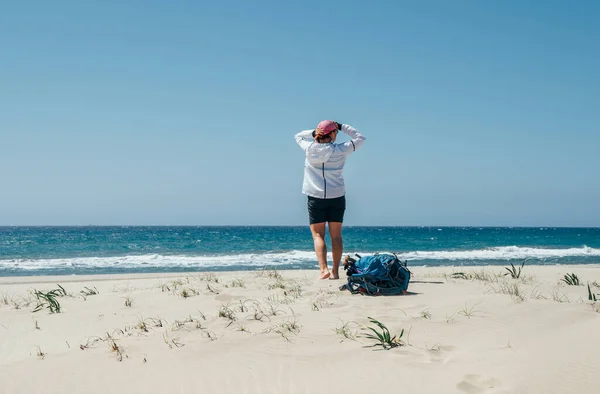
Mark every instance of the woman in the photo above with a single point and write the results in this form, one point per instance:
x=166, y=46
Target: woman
x=324, y=186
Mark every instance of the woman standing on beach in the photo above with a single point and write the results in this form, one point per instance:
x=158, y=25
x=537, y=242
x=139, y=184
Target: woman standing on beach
x=324, y=186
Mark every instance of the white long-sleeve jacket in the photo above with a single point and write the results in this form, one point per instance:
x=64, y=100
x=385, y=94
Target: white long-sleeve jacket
x=325, y=162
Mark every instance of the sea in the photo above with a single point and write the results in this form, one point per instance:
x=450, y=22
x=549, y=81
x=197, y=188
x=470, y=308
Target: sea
x=26, y=251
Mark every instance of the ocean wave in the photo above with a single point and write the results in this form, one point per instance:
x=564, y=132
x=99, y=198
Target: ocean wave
x=291, y=258
x=501, y=253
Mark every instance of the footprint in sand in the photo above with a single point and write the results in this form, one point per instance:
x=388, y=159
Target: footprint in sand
x=476, y=384
x=224, y=297
x=438, y=354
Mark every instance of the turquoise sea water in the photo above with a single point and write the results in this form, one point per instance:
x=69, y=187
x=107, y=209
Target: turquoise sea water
x=99, y=250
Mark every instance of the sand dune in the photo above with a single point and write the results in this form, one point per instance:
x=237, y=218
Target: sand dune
x=285, y=332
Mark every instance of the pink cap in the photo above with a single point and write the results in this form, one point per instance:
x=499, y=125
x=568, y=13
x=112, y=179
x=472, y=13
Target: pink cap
x=327, y=126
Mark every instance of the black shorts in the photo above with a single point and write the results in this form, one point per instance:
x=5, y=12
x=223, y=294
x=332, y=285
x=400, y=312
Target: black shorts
x=326, y=210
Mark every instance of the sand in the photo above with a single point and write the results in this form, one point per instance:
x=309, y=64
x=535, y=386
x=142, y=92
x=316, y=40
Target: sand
x=296, y=334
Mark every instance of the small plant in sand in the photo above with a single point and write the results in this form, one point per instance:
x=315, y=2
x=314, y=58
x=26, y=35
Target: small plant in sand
x=291, y=325
x=49, y=300
x=36, y=325
x=237, y=283
x=571, y=279
x=269, y=273
x=460, y=275
x=188, y=292
x=211, y=289
x=278, y=284
x=242, y=328
x=319, y=302
x=115, y=348
x=381, y=335
x=512, y=289
x=172, y=341
x=41, y=355
x=243, y=307
x=285, y=328
x=559, y=296
x=128, y=301
x=4, y=298
x=469, y=312
x=227, y=313
x=591, y=296
x=293, y=290
x=483, y=276
x=450, y=319
x=273, y=309
x=141, y=325
x=210, y=335
x=178, y=324
x=426, y=314
x=257, y=313
x=177, y=283
x=316, y=304
x=514, y=272
x=209, y=277
x=17, y=304
x=155, y=321
x=347, y=329
x=536, y=294
x=89, y=292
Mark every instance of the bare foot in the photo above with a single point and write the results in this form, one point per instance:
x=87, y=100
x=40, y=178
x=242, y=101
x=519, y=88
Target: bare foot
x=325, y=275
x=334, y=277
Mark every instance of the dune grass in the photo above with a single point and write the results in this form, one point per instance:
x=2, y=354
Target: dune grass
x=571, y=280
x=227, y=313
x=512, y=289
x=172, y=342
x=381, y=335
x=591, y=296
x=128, y=301
x=41, y=355
x=469, y=311
x=348, y=330
x=89, y=292
x=559, y=297
x=238, y=283
x=49, y=299
x=515, y=272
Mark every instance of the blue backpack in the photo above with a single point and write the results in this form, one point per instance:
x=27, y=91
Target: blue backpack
x=380, y=274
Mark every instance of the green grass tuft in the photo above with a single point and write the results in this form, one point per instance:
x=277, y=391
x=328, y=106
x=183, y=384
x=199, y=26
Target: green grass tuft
x=382, y=337
x=515, y=272
x=571, y=279
x=591, y=296
x=49, y=300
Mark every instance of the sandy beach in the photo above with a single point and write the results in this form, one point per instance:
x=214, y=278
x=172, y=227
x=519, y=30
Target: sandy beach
x=286, y=332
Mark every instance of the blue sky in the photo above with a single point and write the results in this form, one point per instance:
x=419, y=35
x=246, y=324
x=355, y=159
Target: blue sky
x=184, y=112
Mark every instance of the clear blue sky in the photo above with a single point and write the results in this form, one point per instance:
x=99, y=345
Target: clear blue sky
x=183, y=112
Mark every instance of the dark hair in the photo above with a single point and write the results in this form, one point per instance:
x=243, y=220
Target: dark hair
x=323, y=138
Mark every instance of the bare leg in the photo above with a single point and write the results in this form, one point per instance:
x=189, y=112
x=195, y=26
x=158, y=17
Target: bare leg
x=337, y=247
x=318, y=233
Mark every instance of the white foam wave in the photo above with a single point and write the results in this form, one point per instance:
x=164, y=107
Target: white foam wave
x=501, y=253
x=292, y=258
x=160, y=261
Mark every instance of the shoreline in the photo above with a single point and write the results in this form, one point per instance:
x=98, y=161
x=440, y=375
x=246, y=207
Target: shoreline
x=276, y=331
x=16, y=279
